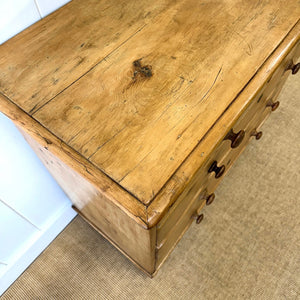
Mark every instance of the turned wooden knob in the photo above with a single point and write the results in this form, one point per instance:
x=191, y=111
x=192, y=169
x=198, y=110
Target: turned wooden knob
x=210, y=199
x=218, y=170
x=294, y=67
x=273, y=105
x=257, y=135
x=198, y=218
x=236, y=138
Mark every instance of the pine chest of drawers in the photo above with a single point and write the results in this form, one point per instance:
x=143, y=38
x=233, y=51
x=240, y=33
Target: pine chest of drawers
x=138, y=109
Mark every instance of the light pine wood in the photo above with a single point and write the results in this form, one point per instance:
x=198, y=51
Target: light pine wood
x=251, y=119
x=184, y=174
x=175, y=213
x=136, y=242
x=182, y=213
x=150, y=271
x=48, y=57
x=128, y=104
x=109, y=188
x=150, y=124
x=178, y=230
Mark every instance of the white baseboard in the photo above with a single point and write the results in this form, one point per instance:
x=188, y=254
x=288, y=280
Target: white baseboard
x=36, y=246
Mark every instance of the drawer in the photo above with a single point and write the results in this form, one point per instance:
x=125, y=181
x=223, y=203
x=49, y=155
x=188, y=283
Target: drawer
x=183, y=223
x=175, y=216
x=265, y=100
x=287, y=67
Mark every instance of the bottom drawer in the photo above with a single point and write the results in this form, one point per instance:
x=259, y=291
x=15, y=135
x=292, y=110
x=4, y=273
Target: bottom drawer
x=184, y=222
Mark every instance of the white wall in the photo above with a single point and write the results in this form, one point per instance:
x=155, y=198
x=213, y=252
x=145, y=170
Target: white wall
x=16, y=15
x=33, y=208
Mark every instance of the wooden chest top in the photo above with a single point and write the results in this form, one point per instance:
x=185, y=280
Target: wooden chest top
x=129, y=89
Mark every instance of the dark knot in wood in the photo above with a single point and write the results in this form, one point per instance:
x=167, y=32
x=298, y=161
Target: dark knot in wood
x=141, y=71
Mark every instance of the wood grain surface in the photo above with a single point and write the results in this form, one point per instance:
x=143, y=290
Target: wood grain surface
x=128, y=104
x=135, y=241
x=133, y=88
x=273, y=71
x=52, y=54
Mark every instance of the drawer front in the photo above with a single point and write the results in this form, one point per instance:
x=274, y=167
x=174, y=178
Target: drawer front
x=178, y=230
x=180, y=214
x=194, y=193
x=280, y=75
x=263, y=102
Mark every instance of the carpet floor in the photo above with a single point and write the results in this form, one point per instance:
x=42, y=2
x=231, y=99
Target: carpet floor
x=247, y=247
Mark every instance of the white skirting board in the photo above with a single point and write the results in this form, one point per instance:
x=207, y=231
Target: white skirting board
x=36, y=245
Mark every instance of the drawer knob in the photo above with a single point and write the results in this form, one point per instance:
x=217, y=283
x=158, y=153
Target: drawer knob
x=236, y=138
x=210, y=199
x=198, y=218
x=273, y=105
x=218, y=170
x=257, y=135
x=294, y=67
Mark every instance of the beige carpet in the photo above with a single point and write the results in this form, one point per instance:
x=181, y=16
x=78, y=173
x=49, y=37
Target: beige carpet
x=248, y=246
